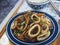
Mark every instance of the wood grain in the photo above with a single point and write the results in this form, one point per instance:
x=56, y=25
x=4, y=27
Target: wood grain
x=57, y=41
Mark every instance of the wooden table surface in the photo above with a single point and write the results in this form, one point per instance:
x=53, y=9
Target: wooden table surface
x=56, y=42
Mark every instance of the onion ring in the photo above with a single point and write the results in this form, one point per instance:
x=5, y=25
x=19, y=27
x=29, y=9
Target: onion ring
x=47, y=28
x=34, y=35
x=40, y=37
x=36, y=17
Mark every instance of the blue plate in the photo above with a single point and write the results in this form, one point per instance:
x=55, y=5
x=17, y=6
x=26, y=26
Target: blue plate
x=50, y=39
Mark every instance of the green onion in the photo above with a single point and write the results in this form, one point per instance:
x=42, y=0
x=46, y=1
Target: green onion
x=19, y=24
x=18, y=32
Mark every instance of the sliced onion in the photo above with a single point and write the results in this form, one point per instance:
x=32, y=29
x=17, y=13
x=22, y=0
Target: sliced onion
x=31, y=24
x=47, y=28
x=22, y=24
x=45, y=20
x=34, y=35
x=48, y=21
x=14, y=25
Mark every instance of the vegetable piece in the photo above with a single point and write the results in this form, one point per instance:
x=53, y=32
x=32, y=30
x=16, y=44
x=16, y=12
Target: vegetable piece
x=13, y=26
x=19, y=24
x=39, y=15
x=18, y=32
x=45, y=20
x=48, y=21
x=21, y=37
x=22, y=25
x=31, y=24
x=45, y=28
x=26, y=22
x=30, y=30
x=43, y=36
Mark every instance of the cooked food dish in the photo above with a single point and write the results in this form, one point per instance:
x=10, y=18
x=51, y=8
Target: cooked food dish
x=32, y=27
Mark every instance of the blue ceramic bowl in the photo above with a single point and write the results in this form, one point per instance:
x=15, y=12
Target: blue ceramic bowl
x=50, y=39
x=38, y=5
